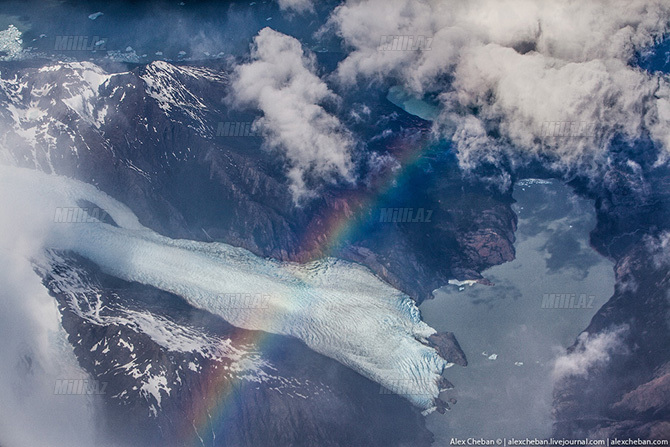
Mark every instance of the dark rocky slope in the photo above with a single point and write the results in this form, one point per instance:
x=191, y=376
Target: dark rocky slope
x=627, y=395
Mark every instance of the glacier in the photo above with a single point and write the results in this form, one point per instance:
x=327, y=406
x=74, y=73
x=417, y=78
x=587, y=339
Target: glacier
x=337, y=308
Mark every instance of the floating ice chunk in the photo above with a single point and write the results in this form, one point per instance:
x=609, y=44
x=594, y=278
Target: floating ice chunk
x=95, y=15
x=465, y=282
x=493, y=357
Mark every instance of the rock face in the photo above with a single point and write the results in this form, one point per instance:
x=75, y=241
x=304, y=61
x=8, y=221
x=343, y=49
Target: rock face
x=447, y=346
x=653, y=396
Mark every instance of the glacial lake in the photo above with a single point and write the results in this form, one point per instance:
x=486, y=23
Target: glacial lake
x=511, y=332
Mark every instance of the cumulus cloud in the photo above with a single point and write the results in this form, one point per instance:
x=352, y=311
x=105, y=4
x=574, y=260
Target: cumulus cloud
x=280, y=80
x=518, y=78
x=590, y=351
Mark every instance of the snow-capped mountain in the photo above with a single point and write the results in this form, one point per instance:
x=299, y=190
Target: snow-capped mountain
x=199, y=304
x=73, y=119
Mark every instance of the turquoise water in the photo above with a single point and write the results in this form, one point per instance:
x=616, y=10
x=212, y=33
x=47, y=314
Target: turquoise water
x=412, y=105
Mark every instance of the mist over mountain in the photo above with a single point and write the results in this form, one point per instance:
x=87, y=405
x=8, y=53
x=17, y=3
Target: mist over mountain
x=219, y=219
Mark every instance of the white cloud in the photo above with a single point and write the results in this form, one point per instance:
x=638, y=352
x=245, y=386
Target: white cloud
x=591, y=351
x=659, y=248
x=34, y=347
x=280, y=80
x=299, y=6
x=520, y=64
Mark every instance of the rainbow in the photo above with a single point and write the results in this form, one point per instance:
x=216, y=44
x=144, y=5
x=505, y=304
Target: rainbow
x=324, y=236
